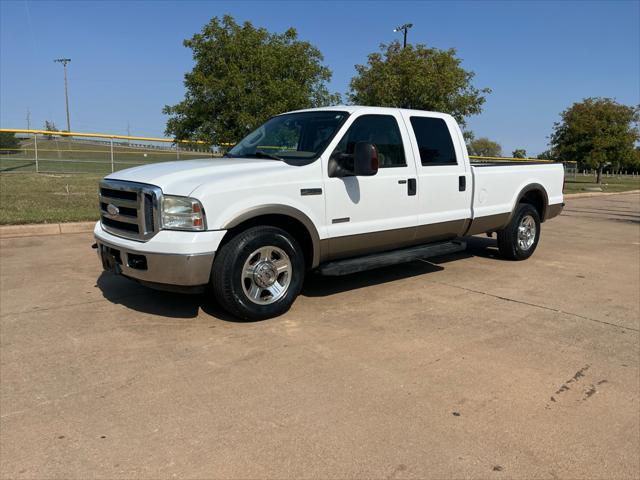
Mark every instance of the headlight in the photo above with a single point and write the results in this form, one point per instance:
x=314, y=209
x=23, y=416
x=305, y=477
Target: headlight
x=182, y=213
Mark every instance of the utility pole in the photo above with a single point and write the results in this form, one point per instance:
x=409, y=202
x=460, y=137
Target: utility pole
x=28, y=119
x=128, y=133
x=64, y=62
x=404, y=29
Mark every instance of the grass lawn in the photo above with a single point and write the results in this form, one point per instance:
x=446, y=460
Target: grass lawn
x=43, y=198
x=609, y=184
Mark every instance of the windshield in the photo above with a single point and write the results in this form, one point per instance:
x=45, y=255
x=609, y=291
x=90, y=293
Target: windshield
x=292, y=136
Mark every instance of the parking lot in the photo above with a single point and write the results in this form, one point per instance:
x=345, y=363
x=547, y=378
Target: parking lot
x=466, y=366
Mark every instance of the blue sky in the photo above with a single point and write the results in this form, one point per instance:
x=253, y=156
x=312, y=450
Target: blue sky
x=128, y=59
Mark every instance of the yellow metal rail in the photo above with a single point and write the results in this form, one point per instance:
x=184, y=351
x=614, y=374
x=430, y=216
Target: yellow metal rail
x=141, y=151
x=98, y=135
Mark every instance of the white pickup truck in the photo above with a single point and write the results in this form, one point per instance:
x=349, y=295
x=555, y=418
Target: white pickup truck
x=338, y=190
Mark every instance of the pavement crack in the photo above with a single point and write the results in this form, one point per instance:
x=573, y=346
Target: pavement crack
x=579, y=374
x=535, y=305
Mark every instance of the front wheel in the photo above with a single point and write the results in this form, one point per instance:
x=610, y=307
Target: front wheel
x=258, y=274
x=519, y=239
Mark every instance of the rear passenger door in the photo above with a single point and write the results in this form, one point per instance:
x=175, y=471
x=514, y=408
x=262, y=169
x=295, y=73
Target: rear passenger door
x=444, y=183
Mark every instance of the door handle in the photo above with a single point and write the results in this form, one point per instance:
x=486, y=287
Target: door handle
x=412, y=186
x=462, y=183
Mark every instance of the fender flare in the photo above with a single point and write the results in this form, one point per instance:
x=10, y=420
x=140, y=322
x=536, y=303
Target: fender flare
x=529, y=188
x=287, y=211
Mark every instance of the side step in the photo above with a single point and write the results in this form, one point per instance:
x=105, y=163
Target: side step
x=377, y=260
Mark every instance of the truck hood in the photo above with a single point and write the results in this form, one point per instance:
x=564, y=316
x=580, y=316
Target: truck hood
x=184, y=176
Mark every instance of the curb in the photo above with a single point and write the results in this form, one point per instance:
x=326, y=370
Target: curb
x=597, y=194
x=41, y=229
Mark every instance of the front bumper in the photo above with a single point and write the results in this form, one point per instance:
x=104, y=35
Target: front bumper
x=187, y=263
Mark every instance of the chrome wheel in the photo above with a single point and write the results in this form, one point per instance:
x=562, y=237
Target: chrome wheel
x=526, y=232
x=266, y=275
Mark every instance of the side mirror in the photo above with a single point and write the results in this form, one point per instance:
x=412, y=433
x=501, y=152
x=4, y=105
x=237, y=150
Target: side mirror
x=365, y=159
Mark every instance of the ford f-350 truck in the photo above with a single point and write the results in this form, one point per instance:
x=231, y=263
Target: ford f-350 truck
x=338, y=190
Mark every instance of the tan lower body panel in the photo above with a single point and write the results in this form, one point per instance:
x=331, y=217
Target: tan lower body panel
x=365, y=243
x=554, y=210
x=490, y=223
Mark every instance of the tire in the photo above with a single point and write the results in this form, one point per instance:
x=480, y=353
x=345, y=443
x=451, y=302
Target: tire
x=517, y=241
x=250, y=278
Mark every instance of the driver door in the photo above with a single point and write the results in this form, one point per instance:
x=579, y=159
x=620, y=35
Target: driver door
x=366, y=214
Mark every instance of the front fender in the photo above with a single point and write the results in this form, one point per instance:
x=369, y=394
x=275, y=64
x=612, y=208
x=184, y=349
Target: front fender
x=236, y=216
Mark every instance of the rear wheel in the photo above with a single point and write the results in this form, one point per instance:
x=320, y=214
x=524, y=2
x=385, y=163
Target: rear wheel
x=258, y=274
x=519, y=239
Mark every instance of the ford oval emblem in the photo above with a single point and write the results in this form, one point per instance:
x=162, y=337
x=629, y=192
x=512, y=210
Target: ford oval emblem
x=112, y=209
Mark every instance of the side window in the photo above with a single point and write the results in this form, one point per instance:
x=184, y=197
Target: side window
x=434, y=141
x=380, y=130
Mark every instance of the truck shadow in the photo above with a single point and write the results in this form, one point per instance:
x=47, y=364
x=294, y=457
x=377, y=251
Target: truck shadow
x=485, y=247
x=320, y=286
x=122, y=291
x=125, y=292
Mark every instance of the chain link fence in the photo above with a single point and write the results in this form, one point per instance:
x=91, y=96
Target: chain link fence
x=60, y=152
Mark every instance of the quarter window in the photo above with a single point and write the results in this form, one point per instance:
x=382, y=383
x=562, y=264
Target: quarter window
x=434, y=141
x=380, y=130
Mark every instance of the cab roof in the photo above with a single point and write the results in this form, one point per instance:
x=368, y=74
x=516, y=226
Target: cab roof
x=379, y=110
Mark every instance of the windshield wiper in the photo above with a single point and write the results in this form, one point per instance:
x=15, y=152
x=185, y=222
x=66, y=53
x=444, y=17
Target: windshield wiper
x=261, y=154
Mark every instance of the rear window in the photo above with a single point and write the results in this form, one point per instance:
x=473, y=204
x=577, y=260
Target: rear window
x=434, y=141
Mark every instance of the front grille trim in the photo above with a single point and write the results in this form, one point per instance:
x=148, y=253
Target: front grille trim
x=145, y=223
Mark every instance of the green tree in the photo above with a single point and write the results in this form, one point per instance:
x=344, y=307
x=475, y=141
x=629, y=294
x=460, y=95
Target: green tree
x=468, y=136
x=519, y=153
x=546, y=155
x=417, y=77
x=9, y=142
x=483, y=147
x=50, y=127
x=634, y=165
x=242, y=76
x=597, y=132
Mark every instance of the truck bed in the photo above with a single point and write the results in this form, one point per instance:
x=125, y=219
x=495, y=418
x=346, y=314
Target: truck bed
x=496, y=185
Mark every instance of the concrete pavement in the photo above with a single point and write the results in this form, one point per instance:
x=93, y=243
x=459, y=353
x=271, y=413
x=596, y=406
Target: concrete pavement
x=468, y=366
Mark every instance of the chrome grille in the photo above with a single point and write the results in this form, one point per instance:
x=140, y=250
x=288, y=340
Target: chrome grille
x=129, y=209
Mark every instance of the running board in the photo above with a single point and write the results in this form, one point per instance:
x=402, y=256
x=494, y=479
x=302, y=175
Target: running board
x=377, y=260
